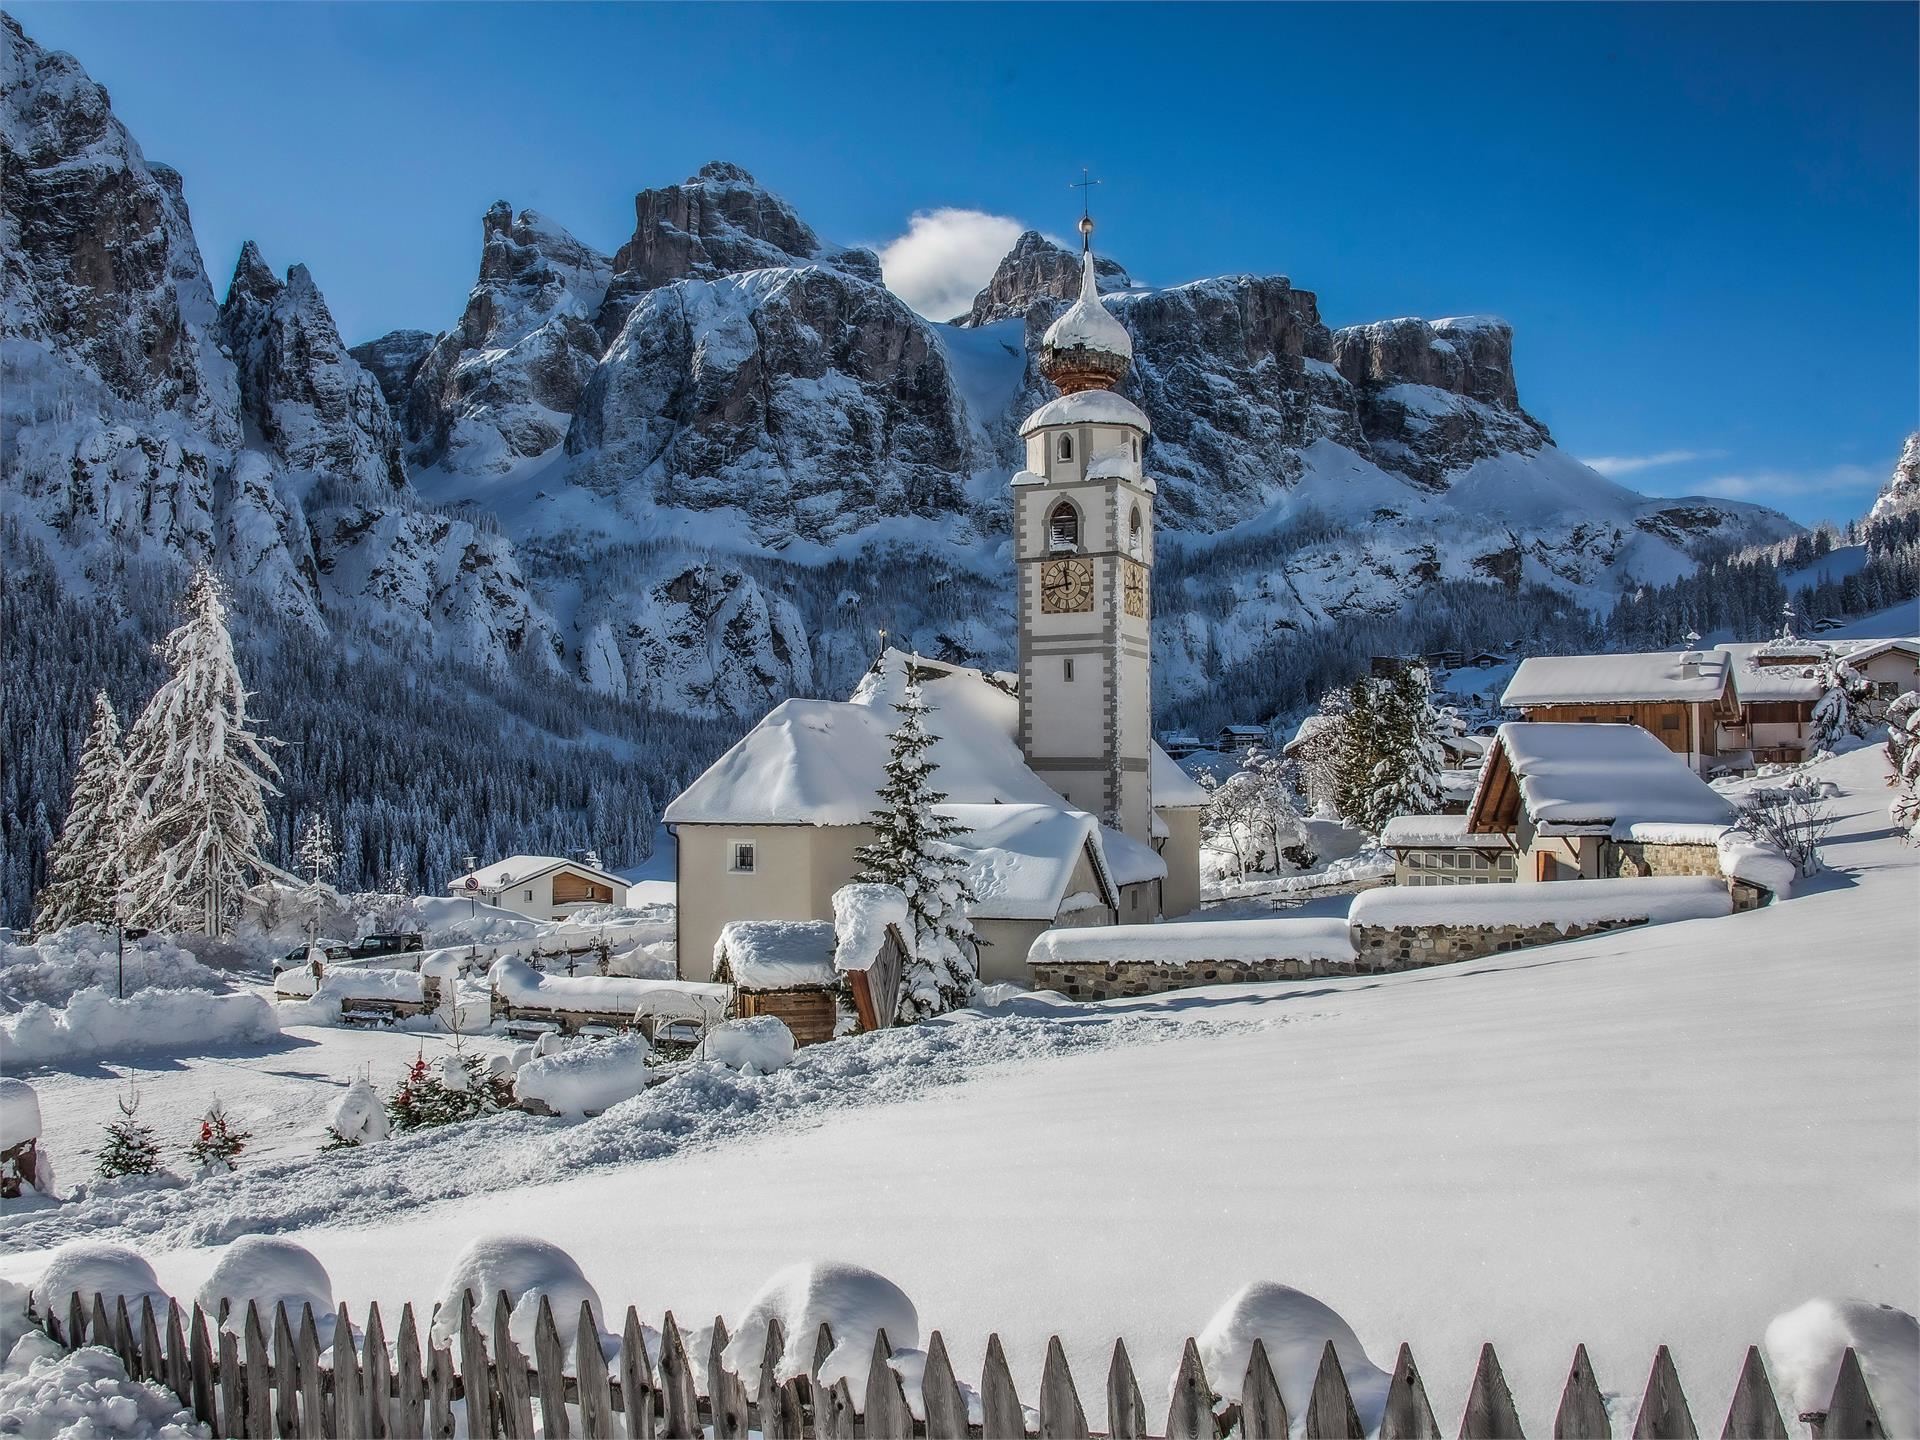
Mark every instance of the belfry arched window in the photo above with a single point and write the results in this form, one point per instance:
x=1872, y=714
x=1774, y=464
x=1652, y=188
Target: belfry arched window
x=1134, y=540
x=1063, y=527
x=1136, y=449
x=1064, y=449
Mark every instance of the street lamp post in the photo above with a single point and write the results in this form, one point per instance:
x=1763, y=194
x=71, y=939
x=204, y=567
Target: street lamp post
x=120, y=940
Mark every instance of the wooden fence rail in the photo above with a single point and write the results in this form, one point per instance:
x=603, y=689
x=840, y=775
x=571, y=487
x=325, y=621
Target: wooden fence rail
x=269, y=1381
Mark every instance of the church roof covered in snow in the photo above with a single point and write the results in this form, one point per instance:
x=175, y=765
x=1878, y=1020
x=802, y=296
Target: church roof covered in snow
x=1021, y=858
x=1087, y=323
x=1693, y=675
x=1088, y=407
x=1586, y=777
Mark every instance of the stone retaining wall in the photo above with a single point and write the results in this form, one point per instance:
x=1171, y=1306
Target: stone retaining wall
x=1119, y=979
x=1413, y=947
x=1630, y=859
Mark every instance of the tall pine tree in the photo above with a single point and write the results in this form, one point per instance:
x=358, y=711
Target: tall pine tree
x=912, y=850
x=1406, y=774
x=202, y=774
x=85, y=864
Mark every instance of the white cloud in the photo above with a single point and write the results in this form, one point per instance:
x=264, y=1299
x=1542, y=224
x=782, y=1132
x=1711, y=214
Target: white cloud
x=1789, y=484
x=945, y=258
x=1613, y=465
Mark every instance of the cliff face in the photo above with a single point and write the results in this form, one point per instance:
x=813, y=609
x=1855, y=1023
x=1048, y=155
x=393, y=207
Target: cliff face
x=1901, y=493
x=1037, y=269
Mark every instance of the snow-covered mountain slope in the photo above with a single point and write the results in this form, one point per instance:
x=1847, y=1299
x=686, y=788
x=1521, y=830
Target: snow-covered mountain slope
x=1901, y=493
x=706, y=470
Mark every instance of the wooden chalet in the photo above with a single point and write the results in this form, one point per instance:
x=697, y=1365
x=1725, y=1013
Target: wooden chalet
x=1682, y=699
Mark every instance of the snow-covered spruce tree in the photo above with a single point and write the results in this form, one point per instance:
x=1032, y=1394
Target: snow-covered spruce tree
x=130, y=1147
x=85, y=863
x=1362, y=742
x=1903, y=753
x=318, y=855
x=1406, y=775
x=457, y=1086
x=911, y=850
x=218, y=1142
x=1838, y=714
x=202, y=775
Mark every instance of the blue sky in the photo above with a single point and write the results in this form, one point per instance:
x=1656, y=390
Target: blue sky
x=1701, y=220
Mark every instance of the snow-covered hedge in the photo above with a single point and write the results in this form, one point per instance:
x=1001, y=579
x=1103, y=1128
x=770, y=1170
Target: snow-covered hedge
x=59, y=966
x=1656, y=899
x=586, y=1079
x=94, y=1023
x=90, y=1267
x=1804, y=1347
x=270, y=1271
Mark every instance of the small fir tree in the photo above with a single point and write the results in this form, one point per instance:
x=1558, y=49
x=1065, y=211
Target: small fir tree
x=87, y=861
x=318, y=854
x=219, y=1142
x=1838, y=714
x=202, y=774
x=457, y=1086
x=912, y=851
x=130, y=1147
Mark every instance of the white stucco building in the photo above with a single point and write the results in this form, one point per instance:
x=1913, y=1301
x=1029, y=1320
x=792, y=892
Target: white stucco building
x=541, y=887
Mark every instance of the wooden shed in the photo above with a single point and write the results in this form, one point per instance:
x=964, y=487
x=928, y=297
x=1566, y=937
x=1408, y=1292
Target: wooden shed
x=782, y=968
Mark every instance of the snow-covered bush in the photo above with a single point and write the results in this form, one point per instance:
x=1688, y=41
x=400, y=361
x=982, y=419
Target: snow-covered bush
x=90, y=1267
x=855, y=1301
x=1252, y=823
x=270, y=1271
x=94, y=1024
x=526, y=1269
x=459, y=1085
x=757, y=1043
x=58, y=966
x=1792, y=818
x=1839, y=714
x=45, y=1392
x=1903, y=754
x=359, y=1117
x=1805, y=1344
x=585, y=1079
x=1295, y=1328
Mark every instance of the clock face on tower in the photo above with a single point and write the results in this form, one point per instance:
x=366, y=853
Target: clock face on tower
x=1066, y=586
x=1136, y=585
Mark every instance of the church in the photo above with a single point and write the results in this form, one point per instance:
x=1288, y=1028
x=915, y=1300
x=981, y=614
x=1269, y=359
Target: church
x=1071, y=813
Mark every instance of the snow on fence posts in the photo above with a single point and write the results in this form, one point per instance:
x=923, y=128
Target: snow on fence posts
x=259, y=1389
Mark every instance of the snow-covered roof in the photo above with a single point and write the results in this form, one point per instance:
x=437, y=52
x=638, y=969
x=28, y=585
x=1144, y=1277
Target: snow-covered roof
x=518, y=869
x=1858, y=650
x=1088, y=324
x=1314, y=725
x=1417, y=832
x=1195, y=942
x=776, y=954
x=1021, y=858
x=1693, y=675
x=518, y=983
x=1588, y=777
x=863, y=914
x=19, y=1113
x=1128, y=861
x=1778, y=681
x=1173, y=788
x=1088, y=407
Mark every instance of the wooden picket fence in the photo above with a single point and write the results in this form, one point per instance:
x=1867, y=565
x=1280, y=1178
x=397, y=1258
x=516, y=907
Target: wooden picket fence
x=253, y=1387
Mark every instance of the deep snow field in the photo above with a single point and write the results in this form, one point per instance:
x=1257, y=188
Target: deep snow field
x=1672, y=1135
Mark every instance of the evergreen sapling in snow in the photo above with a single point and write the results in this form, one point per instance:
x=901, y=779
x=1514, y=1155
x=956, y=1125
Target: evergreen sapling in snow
x=218, y=1142
x=130, y=1147
x=318, y=857
x=912, y=851
x=202, y=774
x=86, y=862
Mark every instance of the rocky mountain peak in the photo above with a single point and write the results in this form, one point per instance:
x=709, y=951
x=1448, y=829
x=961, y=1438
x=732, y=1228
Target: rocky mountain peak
x=253, y=279
x=721, y=172
x=1034, y=269
x=1901, y=493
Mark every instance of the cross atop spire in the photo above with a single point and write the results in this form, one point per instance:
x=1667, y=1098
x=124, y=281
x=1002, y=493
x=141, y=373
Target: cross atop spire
x=1085, y=185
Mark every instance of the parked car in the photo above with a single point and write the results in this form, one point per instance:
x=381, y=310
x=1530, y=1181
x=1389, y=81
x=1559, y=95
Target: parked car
x=372, y=947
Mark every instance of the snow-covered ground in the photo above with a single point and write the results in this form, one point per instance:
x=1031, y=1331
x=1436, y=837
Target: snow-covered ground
x=1671, y=1135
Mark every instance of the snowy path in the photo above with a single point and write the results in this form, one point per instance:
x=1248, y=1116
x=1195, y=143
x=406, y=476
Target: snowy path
x=1663, y=1136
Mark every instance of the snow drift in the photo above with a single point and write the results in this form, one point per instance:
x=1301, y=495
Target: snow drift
x=586, y=1079
x=94, y=1023
x=526, y=1270
x=269, y=1271
x=854, y=1301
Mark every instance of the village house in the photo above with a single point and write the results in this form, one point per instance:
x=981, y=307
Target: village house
x=1070, y=813
x=1682, y=698
x=1440, y=850
x=541, y=887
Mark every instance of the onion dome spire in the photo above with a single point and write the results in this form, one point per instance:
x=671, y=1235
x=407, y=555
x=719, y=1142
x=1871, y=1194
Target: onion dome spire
x=1086, y=348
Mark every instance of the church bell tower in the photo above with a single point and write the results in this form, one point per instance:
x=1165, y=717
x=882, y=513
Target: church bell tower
x=1083, y=547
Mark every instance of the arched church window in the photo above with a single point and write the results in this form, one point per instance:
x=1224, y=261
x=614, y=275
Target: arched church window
x=1065, y=448
x=1063, y=527
x=1133, y=534
x=1136, y=449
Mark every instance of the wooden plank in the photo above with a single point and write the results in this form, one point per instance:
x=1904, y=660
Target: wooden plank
x=233, y=1408
x=153, y=1360
x=1190, y=1412
x=306, y=1351
x=259, y=1375
x=590, y=1367
x=1754, y=1413
x=940, y=1396
x=999, y=1401
x=76, y=1321
x=834, y=1415
x=349, y=1403
x=377, y=1387
x=200, y=1358
x=1408, y=1415
x=886, y=1410
x=515, y=1415
x=1851, y=1413
x=1490, y=1414
x=1263, y=1413
x=779, y=1420
x=410, y=1388
x=550, y=1374
x=286, y=1377
x=1663, y=1409
x=1126, y=1413
x=124, y=1345
x=676, y=1384
x=100, y=1323
x=439, y=1391
x=639, y=1394
x=1583, y=1413
x=726, y=1394
x=1061, y=1415
x=476, y=1376
x=179, y=1366
x=1330, y=1412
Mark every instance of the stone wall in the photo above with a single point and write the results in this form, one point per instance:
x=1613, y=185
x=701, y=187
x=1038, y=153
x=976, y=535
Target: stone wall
x=1631, y=859
x=1413, y=947
x=1119, y=979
